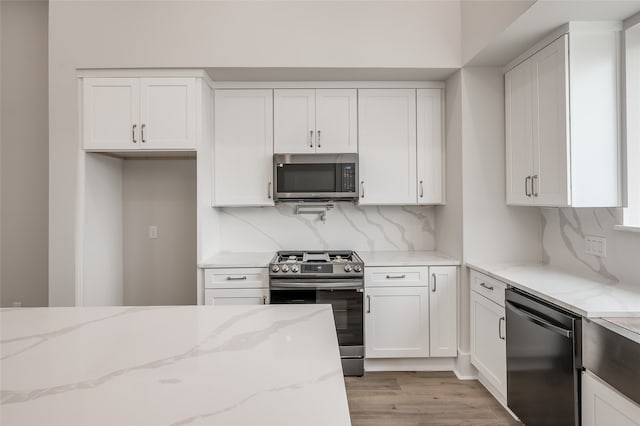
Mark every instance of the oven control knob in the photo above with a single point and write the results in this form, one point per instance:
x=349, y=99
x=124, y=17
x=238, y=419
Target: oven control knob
x=285, y=268
x=294, y=268
x=275, y=268
x=347, y=268
x=357, y=268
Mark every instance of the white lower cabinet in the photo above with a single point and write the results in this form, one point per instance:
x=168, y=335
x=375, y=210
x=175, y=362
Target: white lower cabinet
x=236, y=286
x=403, y=318
x=602, y=405
x=488, y=344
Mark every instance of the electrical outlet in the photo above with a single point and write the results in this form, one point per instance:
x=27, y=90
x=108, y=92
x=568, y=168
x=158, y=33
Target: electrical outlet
x=153, y=231
x=595, y=246
x=17, y=304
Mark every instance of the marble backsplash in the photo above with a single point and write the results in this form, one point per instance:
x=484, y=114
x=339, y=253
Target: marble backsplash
x=563, y=236
x=347, y=226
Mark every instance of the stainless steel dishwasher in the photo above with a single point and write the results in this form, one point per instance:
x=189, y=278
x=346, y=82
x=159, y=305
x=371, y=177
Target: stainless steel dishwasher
x=543, y=361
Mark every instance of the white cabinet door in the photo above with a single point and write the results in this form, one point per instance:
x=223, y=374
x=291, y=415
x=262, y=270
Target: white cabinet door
x=443, y=328
x=111, y=113
x=396, y=322
x=168, y=113
x=294, y=120
x=245, y=296
x=243, y=136
x=519, y=134
x=550, y=179
x=336, y=120
x=387, y=146
x=430, y=141
x=488, y=349
x=602, y=405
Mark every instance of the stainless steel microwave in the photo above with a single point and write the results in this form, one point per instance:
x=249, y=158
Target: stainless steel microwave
x=315, y=177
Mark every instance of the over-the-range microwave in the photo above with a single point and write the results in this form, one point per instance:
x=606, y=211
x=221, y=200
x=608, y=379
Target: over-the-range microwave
x=300, y=177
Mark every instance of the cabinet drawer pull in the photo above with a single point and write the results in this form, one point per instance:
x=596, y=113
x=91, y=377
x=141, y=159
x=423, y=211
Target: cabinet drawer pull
x=264, y=300
x=236, y=277
x=269, y=190
x=488, y=287
x=133, y=133
x=311, y=138
x=500, y=336
x=142, y=133
x=526, y=186
x=533, y=183
x=434, y=282
x=389, y=277
x=361, y=189
x=421, y=189
x=368, y=304
x=318, y=139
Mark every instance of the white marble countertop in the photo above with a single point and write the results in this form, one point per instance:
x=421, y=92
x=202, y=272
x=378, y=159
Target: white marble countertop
x=188, y=365
x=238, y=260
x=583, y=296
x=406, y=258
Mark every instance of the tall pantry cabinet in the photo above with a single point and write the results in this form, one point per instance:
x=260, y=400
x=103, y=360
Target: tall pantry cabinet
x=562, y=129
x=144, y=136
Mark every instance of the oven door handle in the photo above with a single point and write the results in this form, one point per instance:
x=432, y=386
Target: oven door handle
x=324, y=285
x=539, y=321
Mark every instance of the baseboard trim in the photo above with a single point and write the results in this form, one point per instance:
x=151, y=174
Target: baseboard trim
x=409, y=364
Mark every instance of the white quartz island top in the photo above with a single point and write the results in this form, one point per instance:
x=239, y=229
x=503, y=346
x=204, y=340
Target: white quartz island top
x=583, y=296
x=188, y=365
x=238, y=260
x=406, y=258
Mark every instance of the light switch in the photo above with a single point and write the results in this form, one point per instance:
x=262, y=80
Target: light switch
x=595, y=246
x=153, y=231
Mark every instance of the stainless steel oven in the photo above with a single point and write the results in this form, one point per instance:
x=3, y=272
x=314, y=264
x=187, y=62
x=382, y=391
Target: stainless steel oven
x=326, y=278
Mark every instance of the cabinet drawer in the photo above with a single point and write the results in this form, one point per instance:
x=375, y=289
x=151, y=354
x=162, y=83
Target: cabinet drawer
x=239, y=296
x=236, y=278
x=487, y=286
x=401, y=276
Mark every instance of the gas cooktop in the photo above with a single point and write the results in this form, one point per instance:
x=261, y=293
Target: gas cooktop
x=330, y=263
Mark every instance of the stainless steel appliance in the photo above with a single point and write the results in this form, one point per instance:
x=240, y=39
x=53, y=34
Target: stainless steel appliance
x=315, y=177
x=543, y=361
x=331, y=277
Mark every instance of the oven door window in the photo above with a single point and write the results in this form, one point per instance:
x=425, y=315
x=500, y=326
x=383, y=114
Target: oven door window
x=305, y=178
x=347, y=313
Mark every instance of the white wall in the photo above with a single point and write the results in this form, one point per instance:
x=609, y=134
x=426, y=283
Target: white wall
x=161, y=271
x=563, y=244
x=96, y=34
x=23, y=169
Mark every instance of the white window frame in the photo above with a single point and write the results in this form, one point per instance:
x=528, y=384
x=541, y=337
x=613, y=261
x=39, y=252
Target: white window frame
x=630, y=219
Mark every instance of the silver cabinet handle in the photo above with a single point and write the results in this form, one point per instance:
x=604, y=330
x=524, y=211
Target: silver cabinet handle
x=311, y=138
x=269, y=190
x=421, y=189
x=389, y=277
x=318, y=139
x=488, y=287
x=368, y=304
x=133, y=133
x=264, y=300
x=142, y=133
x=434, y=282
x=361, y=189
x=533, y=180
x=500, y=335
x=526, y=186
x=236, y=277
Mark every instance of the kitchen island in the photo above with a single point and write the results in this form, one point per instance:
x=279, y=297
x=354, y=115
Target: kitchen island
x=173, y=365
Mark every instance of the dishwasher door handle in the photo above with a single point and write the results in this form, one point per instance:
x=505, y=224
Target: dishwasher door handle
x=539, y=321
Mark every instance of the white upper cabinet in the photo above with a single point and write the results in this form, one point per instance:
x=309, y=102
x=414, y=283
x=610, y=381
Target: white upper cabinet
x=139, y=113
x=562, y=133
x=387, y=146
x=315, y=120
x=430, y=146
x=243, y=131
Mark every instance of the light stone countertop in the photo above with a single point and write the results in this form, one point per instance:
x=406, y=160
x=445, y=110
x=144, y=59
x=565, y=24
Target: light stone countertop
x=239, y=260
x=177, y=365
x=406, y=258
x=583, y=296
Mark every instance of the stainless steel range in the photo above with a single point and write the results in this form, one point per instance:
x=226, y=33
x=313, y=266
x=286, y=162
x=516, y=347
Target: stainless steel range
x=331, y=277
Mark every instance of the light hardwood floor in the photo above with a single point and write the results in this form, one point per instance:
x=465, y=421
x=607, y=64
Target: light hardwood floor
x=420, y=399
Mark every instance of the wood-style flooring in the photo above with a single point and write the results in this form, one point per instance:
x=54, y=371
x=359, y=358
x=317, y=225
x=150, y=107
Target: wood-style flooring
x=420, y=399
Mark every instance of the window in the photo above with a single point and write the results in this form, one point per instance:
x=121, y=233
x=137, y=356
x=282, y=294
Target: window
x=631, y=215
